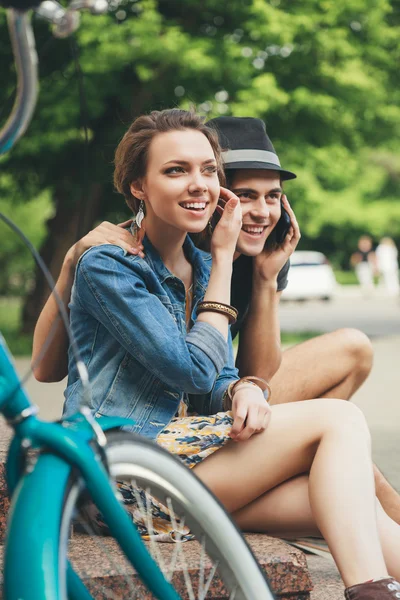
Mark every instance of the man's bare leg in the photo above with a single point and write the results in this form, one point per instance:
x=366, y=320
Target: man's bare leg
x=331, y=365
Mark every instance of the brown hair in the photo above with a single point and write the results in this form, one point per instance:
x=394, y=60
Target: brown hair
x=132, y=153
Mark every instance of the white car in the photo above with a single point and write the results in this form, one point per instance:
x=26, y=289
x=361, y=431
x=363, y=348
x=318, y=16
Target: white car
x=310, y=277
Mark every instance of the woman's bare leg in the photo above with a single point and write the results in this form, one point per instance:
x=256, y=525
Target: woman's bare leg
x=331, y=365
x=329, y=439
x=283, y=512
x=286, y=512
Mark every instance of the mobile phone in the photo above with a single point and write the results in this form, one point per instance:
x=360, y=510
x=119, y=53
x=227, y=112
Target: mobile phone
x=282, y=227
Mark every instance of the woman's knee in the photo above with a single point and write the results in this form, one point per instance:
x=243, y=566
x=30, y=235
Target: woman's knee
x=345, y=418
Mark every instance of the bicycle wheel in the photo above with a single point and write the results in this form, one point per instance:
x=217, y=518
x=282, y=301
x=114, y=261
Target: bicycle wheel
x=218, y=559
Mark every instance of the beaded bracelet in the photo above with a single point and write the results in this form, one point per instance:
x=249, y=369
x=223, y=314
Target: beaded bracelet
x=218, y=307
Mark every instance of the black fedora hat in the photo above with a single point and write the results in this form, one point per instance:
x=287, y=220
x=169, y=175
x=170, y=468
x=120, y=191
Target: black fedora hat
x=246, y=145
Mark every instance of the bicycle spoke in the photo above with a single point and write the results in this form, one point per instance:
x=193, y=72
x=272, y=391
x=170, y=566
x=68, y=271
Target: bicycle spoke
x=154, y=550
x=186, y=575
x=97, y=540
x=175, y=553
x=201, y=573
x=212, y=573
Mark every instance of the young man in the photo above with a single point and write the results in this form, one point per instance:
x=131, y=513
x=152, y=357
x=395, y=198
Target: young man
x=332, y=365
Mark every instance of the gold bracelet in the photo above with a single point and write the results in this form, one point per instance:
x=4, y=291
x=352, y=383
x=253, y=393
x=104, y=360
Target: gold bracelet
x=262, y=384
x=257, y=381
x=218, y=307
x=227, y=397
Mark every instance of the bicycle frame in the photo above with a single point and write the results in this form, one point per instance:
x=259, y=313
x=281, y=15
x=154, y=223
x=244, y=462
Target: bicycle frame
x=38, y=498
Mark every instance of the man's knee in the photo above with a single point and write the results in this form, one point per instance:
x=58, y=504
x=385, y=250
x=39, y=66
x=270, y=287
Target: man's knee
x=359, y=350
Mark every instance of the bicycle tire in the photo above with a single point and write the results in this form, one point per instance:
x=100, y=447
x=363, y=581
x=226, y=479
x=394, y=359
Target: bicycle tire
x=134, y=457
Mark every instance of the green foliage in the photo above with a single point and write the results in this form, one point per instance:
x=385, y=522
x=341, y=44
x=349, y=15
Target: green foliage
x=10, y=319
x=323, y=74
x=16, y=262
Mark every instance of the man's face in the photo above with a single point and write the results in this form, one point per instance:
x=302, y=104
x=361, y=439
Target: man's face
x=260, y=194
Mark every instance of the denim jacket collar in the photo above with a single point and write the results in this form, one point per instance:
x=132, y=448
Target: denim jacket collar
x=201, y=267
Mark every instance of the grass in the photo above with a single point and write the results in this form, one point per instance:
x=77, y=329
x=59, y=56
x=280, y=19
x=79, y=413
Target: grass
x=10, y=319
x=291, y=338
x=350, y=278
x=288, y=338
x=346, y=277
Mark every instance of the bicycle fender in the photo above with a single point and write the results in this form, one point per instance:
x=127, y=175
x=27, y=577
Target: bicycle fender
x=33, y=533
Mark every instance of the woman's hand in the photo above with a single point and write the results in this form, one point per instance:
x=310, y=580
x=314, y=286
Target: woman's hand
x=226, y=232
x=271, y=260
x=251, y=412
x=107, y=233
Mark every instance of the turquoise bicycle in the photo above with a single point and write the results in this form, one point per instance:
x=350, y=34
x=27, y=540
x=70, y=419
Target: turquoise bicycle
x=53, y=468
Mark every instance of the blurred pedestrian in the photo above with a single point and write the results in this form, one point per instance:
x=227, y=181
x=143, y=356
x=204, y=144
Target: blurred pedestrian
x=364, y=263
x=388, y=266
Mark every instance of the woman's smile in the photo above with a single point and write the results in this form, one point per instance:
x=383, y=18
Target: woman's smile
x=197, y=207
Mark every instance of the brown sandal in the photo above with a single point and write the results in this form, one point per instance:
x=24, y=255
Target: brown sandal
x=383, y=589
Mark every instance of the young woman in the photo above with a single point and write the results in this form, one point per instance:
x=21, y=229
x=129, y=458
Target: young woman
x=154, y=334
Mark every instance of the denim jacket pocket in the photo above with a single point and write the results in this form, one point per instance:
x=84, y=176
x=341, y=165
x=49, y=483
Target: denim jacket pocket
x=136, y=396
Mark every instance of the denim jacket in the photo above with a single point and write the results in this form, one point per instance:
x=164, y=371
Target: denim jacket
x=128, y=317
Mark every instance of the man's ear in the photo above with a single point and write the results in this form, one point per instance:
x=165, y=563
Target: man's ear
x=136, y=188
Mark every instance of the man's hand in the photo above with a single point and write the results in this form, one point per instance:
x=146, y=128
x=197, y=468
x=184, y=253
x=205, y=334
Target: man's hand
x=268, y=264
x=251, y=412
x=107, y=233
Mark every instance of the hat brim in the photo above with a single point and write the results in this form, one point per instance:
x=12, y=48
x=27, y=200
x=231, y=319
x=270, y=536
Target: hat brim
x=285, y=175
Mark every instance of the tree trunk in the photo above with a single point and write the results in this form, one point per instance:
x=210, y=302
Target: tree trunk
x=67, y=225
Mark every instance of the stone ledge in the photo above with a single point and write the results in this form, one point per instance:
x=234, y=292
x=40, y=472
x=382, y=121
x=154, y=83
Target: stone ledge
x=285, y=566
x=5, y=437
x=4, y=503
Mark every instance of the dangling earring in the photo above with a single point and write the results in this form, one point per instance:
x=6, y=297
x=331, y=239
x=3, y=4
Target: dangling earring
x=140, y=215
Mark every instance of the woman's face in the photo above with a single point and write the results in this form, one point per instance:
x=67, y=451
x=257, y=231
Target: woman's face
x=260, y=194
x=181, y=186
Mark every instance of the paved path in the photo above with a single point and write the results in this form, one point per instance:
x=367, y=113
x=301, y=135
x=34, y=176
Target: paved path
x=376, y=316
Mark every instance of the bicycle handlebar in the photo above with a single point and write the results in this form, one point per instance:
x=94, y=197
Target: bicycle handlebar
x=65, y=22
x=23, y=45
